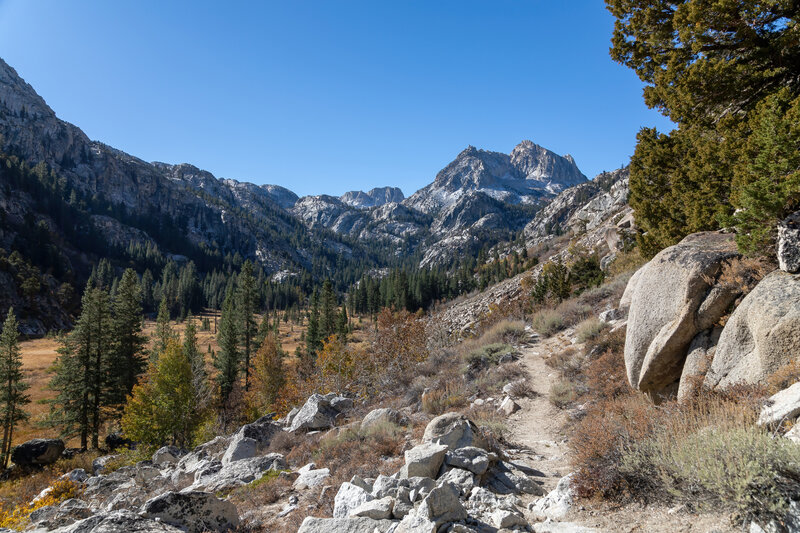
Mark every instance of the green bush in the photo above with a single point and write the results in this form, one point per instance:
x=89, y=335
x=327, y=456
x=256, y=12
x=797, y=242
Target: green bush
x=562, y=393
x=589, y=329
x=487, y=355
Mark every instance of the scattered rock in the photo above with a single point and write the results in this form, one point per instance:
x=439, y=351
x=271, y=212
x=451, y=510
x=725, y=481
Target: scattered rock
x=317, y=413
x=311, y=477
x=784, y=405
x=37, y=452
x=424, y=460
x=167, y=455
x=99, y=464
x=251, y=440
x=349, y=498
x=508, y=407
x=454, y=430
x=213, y=476
x=119, y=522
x=610, y=315
x=442, y=505
x=557, y=503
x=476, y=460
x=508, y=478
x=376, y=509
x=195, y=512
x=761, y=335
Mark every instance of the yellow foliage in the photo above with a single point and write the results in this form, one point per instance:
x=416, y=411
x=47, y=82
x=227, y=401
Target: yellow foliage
x=17, y=517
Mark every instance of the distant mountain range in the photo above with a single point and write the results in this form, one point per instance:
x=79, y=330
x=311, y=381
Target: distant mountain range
x=479, y=199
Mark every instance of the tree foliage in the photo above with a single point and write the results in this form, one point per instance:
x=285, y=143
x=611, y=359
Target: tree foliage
x=13, y=397
x=728, y=74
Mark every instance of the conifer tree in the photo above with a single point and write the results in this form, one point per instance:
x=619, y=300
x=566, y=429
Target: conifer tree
x=81, y=371
x=163, y=330
x=198, y=365
x=328, y=320
x=247, y=297
x=342, y=324
x=227, y=360
x=268, y=376
x=128, y=358
x=12, y=386
x=313, y=335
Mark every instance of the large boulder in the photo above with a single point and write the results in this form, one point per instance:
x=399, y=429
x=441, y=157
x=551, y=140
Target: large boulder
x=789, y=243
x=442, y=505
x=213, y=476
x=783, y=406
x=37, y=452
x=195, y=512
x=319, y=412
x=761, y=335
x=557, y=503
x=349, y=498
x=454, y=430
x=673, y=298
x=123, y=521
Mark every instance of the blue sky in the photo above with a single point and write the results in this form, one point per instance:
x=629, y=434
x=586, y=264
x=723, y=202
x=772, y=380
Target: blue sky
x=330, y=96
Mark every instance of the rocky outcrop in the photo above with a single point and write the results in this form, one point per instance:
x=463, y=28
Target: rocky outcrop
x=762, y=334
x=37, y=452
x=373, y=198
x=673, y=300
x=789, y=243
x=454, y=431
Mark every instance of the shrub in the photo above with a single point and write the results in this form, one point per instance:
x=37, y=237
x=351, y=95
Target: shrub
x=506, y=331
x=589, y=329
x=784, y=377
x=487, y=355
x=573, y=311
x=547, y=322
x=562, y=393
x=444, y=398
x=17, y=517
x=606, y=378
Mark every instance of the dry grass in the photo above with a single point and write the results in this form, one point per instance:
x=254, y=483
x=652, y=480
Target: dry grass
x=562, y=393
x=590, y=329
x=547, y=322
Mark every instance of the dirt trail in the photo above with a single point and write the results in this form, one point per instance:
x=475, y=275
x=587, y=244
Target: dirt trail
x=538, y=430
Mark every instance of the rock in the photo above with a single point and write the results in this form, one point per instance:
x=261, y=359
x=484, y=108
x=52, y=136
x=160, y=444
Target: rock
x=442, y=505
x=424, y=460
x=213, y=476
x=37, y=452
x=317, y=413
x=55, y=516
x=782, y=406
x=698, y=361
x=503, y=518
x=251, y=440
x=557, y=503
x=630, y=288
x=344, y=525
x=464, y=480
x=123, y=521
x=311, y=478
x=386, y=486
x=476, y=460
x=194, y=512
x=793, y=434
x=364, y=484
x=77, y=475
x=116, y=440
x=99, y=464
x=762, y=334
x=454, y=430
x=376, y=509
x=789, y=243
x=508, y=407
x=414, y=523
x=349, y=498
x=507, y=478
x=385, y=415
x=674, y=300
x=167, y=455
x=610, y=315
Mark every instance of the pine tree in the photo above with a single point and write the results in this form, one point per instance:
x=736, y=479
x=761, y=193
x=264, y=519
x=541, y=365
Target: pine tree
x=328, y=319
x=128, y=355
x=227, y=360
x=198, y=365
x=342, y=324
x=12, y=385
x=81, y=371
x=313, y=335
x=246, y=296
x=268, y=376
x=163, y=330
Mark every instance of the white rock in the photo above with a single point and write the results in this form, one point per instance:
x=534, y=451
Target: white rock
x=349, y=498
x=376, y=509
x=424, y=460
x=557, y=503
